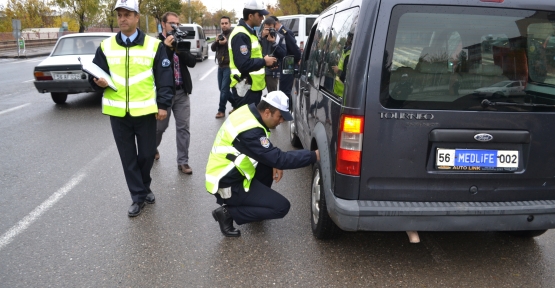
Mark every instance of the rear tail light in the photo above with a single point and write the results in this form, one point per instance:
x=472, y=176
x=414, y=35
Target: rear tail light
x=198, y=44
x=349, y=145
x=39, y=75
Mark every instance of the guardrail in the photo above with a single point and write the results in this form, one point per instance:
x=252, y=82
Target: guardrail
x=12, y=45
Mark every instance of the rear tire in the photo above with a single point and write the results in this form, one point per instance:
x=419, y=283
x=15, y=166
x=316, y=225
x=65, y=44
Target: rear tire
x=322, y=225
x=59, y=98
x=527, y=233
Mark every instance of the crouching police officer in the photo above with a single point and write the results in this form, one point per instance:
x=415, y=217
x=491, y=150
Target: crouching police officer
x=243, y=163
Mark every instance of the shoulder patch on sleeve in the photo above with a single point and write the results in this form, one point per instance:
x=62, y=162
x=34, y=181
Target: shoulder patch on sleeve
x=265, y=142
x=166, y=63
x=244, y=49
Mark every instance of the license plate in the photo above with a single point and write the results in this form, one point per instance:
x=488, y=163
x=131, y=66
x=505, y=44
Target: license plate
x=477, y=159
x=67, y=76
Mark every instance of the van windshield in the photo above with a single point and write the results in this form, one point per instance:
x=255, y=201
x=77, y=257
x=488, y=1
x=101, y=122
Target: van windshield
x=454, y=58
x=190, y=31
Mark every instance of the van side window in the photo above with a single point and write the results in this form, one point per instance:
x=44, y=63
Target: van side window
x=454, y=58
x=337, y=54
x=317, y=48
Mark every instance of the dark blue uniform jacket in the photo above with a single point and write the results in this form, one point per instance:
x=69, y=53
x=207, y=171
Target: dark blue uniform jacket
x=249, y=143
x=243, y=62
x=291, y=43
x=163, y=76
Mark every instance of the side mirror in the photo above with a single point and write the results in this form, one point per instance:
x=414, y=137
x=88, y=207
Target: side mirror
x=288, y=65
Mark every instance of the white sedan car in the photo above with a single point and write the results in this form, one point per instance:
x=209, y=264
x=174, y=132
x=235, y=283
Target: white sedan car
x=502, y=89
x=60, y=74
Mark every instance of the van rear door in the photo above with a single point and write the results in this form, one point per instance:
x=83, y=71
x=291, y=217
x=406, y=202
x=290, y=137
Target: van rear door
x=441, y=125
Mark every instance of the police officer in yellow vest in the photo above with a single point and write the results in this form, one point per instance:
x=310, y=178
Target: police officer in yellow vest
x=243, y=163
x=246, y=62
x=340, y=69
x=140, y=69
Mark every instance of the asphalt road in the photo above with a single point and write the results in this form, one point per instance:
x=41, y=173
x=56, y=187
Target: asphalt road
x=63, y=211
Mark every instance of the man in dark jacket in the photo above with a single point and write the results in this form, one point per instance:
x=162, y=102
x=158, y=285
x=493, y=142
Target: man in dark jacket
x=244, y=187
x=246, y=60
x=134, y=106
x=183, y=87
x=286, y=81
x=222, y=58
x=272, y=46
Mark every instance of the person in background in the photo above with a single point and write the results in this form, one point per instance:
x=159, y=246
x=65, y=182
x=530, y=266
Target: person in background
x=181, y=104
x=136, y=105
x=246, y=61
x=272, y=46
x=222, y=58
x=286, y=81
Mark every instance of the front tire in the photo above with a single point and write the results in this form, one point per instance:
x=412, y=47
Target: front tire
x=59, y=98
x=322, y=225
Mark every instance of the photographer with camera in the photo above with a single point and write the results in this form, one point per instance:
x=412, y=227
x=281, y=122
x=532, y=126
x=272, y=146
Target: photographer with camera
x=222, y=58
x=273, y=44
x=180, y=58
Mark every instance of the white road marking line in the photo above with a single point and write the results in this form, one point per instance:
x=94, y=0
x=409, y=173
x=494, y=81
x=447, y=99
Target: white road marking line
x=28, y=81
x=208, y=73
x=24, y=223
x=14, y=108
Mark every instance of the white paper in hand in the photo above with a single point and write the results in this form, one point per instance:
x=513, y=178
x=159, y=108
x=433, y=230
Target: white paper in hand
x=98, y=73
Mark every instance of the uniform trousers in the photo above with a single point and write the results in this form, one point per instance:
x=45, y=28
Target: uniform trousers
x=181, y=108
x=271, y=83
x=250, y=97
x=286, y=85
x=136, y=142
x=260, y=203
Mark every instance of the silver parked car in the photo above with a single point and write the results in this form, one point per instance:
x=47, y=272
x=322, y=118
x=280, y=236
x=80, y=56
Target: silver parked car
x=60, y=74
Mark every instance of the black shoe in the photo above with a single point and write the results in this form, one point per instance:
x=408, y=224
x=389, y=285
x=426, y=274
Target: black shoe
x=226, y=222
x=150, y=198
x=135, y=209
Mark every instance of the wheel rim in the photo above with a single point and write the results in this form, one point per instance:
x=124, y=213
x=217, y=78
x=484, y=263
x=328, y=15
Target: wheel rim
x=316, y=196
x=292, y=128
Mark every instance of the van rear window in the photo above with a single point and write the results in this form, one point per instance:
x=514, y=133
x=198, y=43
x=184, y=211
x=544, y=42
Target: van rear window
x=190, y=32
x=456, y=57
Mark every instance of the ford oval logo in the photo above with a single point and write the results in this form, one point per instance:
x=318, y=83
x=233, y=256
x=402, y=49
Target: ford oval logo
x=483, y=137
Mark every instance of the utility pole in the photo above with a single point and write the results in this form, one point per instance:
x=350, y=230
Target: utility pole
x=189, y=11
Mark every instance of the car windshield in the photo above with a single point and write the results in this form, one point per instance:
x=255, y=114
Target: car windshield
x=190, y=31
x=78, y=45
x=447, y=54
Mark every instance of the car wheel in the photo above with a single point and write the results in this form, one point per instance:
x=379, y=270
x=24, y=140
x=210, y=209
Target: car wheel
x=59, y=98
x=322, y=225
x=527, y=233
x=293, y=138
x=202, y=55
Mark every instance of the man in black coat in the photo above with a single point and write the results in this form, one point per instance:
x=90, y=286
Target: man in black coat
x=286, y=81
x=183, y=87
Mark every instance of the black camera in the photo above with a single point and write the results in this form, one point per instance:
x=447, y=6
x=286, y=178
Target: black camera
x=272, y=32
x=221, y=37
x=179, y=42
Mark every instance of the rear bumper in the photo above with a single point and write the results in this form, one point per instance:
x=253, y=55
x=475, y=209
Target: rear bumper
x=61, y=86
x=354, y=215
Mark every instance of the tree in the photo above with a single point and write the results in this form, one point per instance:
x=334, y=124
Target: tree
x=32, y=13
x=216, y=16
x=157, y=8
x=86, y=11
x=196, y=11
x=289, y=7
x=107, y=9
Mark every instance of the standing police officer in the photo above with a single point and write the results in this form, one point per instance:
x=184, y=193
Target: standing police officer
x=243, y=163
x=245, y=57
x=140, y=68
x=286, y=81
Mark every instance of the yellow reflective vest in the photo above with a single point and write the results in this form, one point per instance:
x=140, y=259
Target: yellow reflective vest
x=339, y=86
x=131, y=71
x=258, y=77
x=218, y=163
